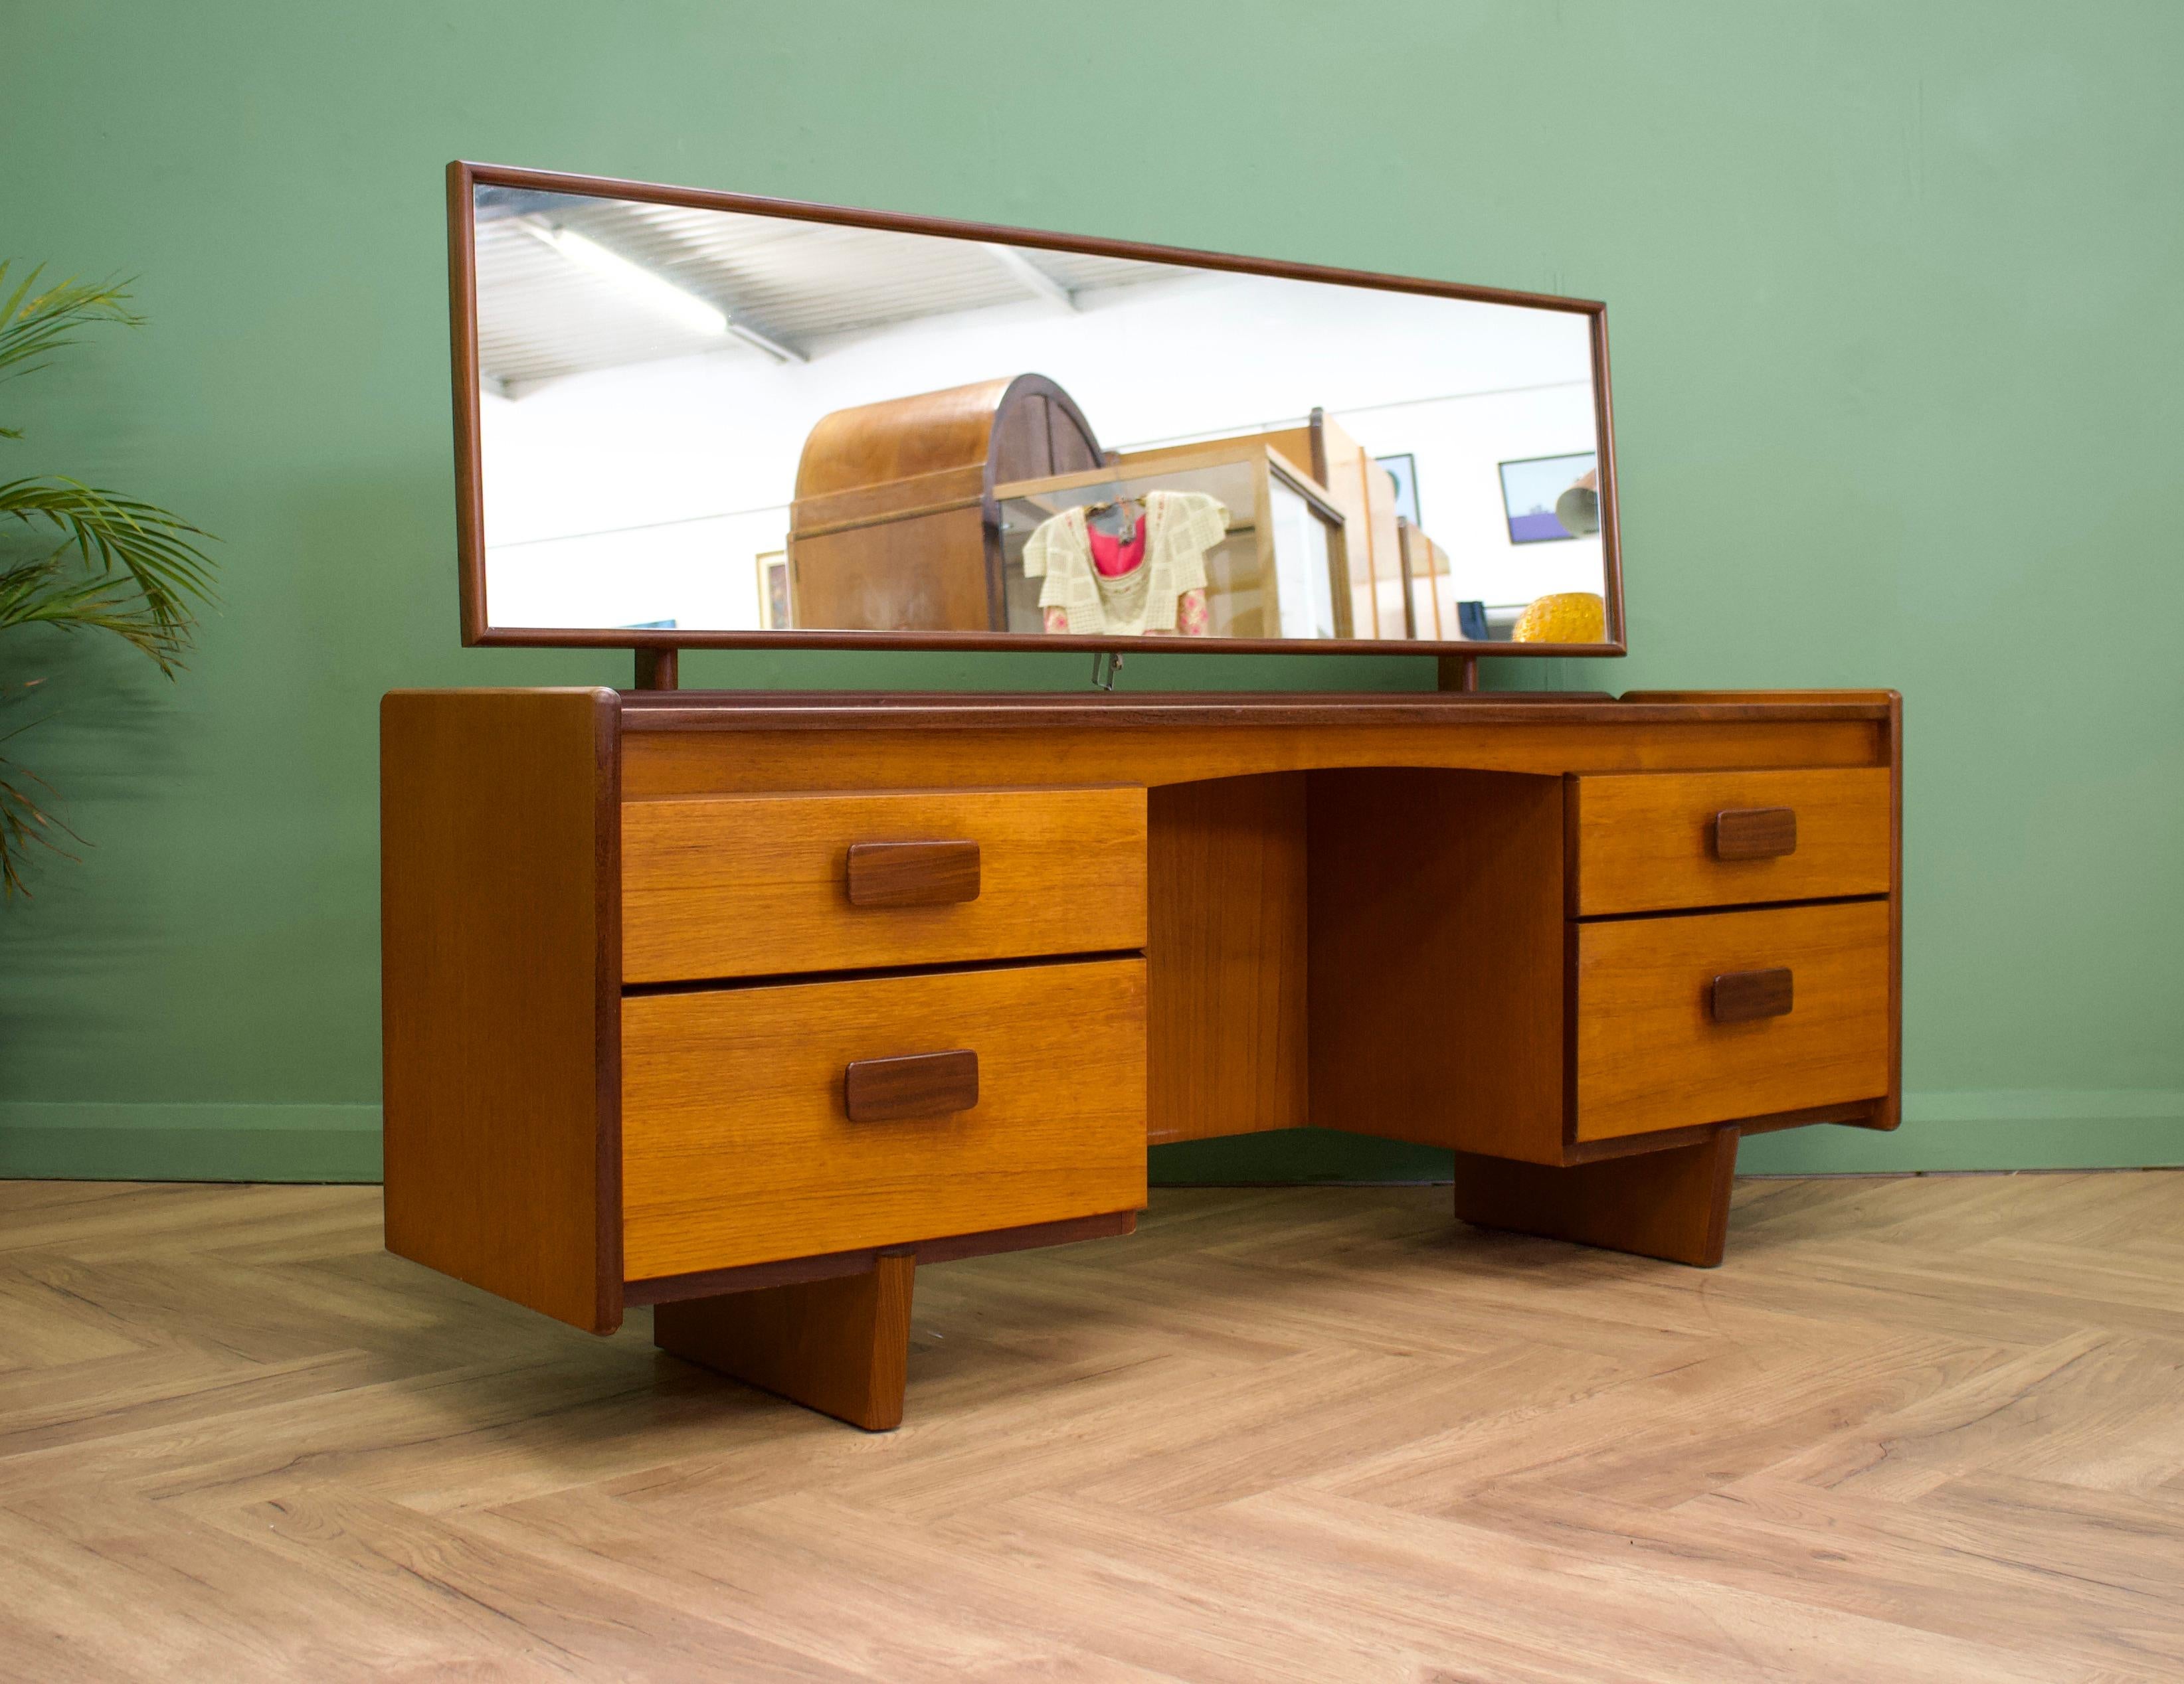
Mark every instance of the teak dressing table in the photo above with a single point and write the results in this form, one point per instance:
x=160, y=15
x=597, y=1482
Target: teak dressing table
x=742, y=1006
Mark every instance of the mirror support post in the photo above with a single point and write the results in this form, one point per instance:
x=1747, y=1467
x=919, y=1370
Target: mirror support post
x=1459, y=672
x=656, y=669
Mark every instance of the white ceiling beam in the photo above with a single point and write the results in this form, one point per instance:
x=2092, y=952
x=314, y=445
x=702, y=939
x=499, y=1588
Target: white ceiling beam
x=758, y=341
x=1031, y=276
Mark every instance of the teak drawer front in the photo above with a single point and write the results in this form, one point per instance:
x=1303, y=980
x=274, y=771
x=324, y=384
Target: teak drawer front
x=1649, y=842
x=738, y=1145
x=1651, y=1052
x=760, y=885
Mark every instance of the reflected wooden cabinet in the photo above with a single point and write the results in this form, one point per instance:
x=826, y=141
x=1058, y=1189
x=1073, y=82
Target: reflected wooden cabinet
x=895, y=527
x=1379, y=603
x=913, y=515
x=746, y=1005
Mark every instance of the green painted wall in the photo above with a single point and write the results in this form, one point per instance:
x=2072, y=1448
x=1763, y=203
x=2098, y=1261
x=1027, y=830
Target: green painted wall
x=1897, y=367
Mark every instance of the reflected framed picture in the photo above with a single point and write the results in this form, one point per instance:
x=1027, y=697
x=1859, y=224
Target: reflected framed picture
x=774, y=612
x=1532, y=493
x=1404, y=471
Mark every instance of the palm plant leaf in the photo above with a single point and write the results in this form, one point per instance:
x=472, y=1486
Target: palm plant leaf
x=110, y=532
x=45, y=592
x=24, y=824
x=33, y=324
x=120, y=564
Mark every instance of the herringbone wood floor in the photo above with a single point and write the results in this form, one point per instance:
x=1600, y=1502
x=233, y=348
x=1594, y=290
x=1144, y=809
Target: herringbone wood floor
x=1925, y=1430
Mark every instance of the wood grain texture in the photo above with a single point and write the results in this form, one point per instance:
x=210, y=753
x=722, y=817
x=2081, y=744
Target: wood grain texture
x=463, y=371
x=898, y=440
x=1370, y=544
x=912, y=873
x=924, y=571
x=758, y=886
x=1890, y=1114
x=1424, y=563
x=1920, y=1430
x=770, y=710
x=849, y=750
x=1649, y=844
x=1007, y=429
x=894, y=527
x=737, y=1147
x=501, y=999
x=840, y=1346
x=918, y=1085
x=709, y=1283
x=1226, y=1035
x=1650, y=1055
x=1438, y=971
x=1611, y=510
x=1673, y=1205
x=1882, y=699
x=943, y=488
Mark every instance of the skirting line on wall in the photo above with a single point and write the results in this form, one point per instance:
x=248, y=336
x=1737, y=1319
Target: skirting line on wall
x=190, y=1142
x=2006, y=1129
x=2000, y=1129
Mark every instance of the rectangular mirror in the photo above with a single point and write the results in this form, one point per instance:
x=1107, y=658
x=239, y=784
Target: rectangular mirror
x=690, y=419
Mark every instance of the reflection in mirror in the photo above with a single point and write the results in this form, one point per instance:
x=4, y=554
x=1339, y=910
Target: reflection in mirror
x=712, y=421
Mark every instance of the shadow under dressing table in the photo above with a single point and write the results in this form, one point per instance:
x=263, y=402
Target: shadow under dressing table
x=745, y=1006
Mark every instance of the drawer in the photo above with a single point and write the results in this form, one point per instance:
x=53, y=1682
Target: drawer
x=761, y=885
x=738, y=1145
x=1652, y=1053
x=1647, y=841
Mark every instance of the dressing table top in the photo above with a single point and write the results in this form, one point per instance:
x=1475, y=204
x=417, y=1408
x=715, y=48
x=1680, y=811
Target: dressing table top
x=663, y=710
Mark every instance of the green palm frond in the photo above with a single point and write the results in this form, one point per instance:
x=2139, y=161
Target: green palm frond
x=111, y=533
x=24, y=824
x=106, y=562
x=49, y=592
x=33, y=324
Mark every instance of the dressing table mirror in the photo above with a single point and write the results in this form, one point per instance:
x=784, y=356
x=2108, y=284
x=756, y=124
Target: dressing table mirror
x=704, y=419
x=740, y=1007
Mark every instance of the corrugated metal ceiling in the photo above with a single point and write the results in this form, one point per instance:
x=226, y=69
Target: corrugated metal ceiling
x=541, y=315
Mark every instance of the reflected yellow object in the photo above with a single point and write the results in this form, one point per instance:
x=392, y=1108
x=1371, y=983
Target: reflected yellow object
x=1565, y=617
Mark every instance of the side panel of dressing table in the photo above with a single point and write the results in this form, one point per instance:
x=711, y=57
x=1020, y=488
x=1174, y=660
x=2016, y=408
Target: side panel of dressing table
x=631, y=1000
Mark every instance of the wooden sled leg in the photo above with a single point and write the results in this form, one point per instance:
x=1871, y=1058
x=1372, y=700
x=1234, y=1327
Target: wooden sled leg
x=1672, y=1205
x=839, y=1346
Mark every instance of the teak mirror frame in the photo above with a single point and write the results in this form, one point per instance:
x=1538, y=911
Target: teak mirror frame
x=463, y=179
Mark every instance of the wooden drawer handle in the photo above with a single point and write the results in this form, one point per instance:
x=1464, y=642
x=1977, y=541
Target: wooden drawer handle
x=1755, y=832
x=923, y=1085
x=913, y=873
x=1741, y=996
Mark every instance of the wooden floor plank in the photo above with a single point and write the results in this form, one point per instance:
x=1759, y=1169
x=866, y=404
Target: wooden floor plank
x=1917, y=1429
x=1953, y=1574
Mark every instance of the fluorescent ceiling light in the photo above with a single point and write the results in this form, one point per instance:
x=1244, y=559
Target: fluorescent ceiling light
x=638, y=282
